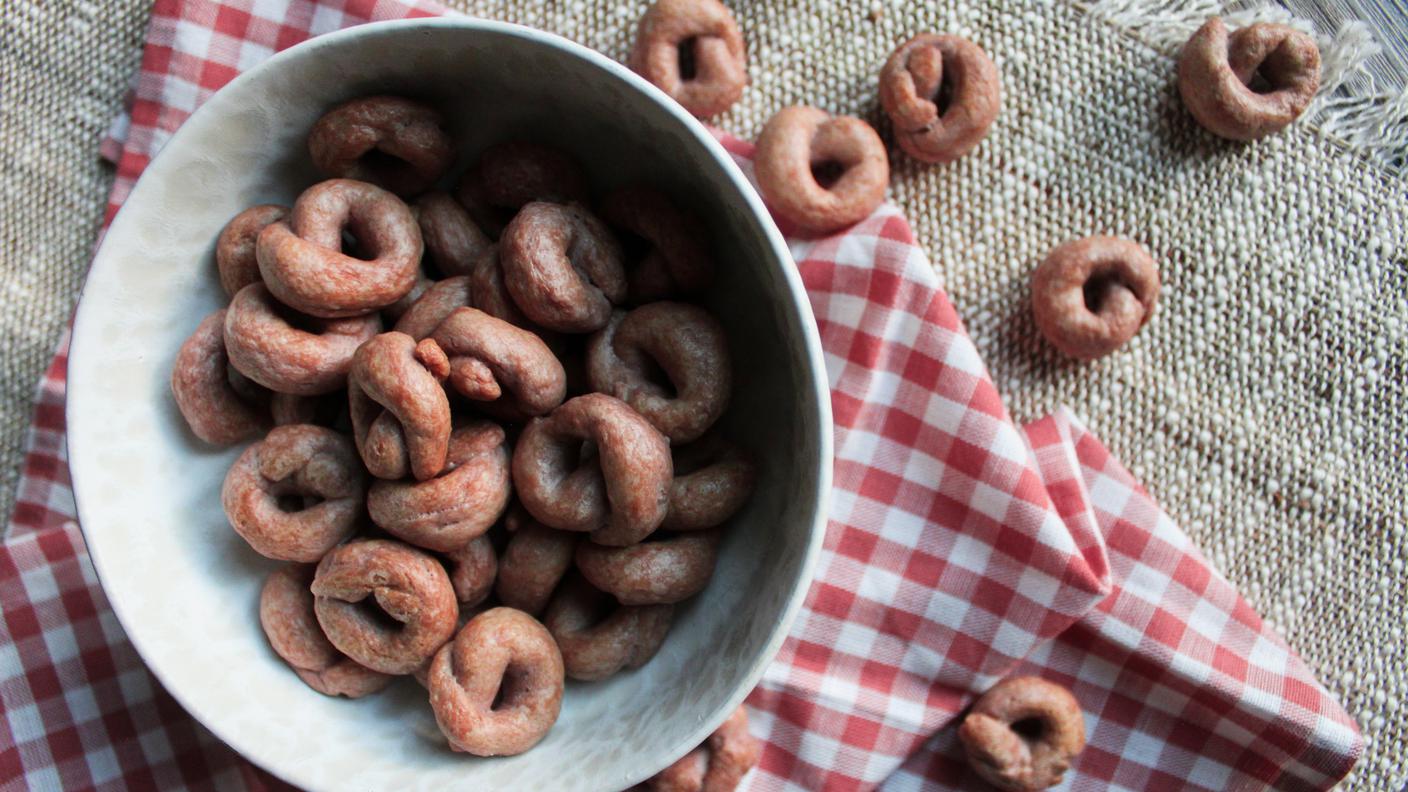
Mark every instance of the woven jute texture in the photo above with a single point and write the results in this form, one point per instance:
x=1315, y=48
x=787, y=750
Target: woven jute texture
x=1264, y=405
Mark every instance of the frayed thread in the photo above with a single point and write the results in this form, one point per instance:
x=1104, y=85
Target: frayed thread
x=1353, y=106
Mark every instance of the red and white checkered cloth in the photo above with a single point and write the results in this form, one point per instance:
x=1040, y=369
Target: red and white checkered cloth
x=961, y=549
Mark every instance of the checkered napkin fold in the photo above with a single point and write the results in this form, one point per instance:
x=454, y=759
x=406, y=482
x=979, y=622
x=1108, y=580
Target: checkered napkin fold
x=961, y=549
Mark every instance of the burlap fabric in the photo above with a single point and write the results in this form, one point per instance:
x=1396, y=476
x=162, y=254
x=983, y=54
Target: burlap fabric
x=1264, y=405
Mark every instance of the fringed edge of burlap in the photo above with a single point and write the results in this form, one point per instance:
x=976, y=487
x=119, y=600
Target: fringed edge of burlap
x=1354, y=106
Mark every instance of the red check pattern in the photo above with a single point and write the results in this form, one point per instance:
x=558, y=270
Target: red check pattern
x=962, y=548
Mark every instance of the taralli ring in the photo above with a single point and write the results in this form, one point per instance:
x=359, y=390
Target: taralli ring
x=287, y=352
x=304, y=265
x=820, y=173
x=393, y=312
x=713, y=479
x=597, y=636
x=942, y=93
x=473, y=569
x=295, y=494
x=365, y=587
x=534, y=562
x=674, y=260
x=396, y=143
x=400, y=414
x=489, y=294
x=620, y=495
x=512, y=175
x=438, y=302
x=497, y=688
x=684, y=342
x=562, y=266
x=716, y=766
x=1023, y=733
x=1092, y=295
x=692, y=50
x=205, y=388
x=286, y=614
x=1250, y=83
x=453, y=243
x=653, y=572
x=507, y=368
x=234, y=250
x=446, y=512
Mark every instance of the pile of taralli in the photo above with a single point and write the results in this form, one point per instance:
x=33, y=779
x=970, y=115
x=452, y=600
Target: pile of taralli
x=486, y=419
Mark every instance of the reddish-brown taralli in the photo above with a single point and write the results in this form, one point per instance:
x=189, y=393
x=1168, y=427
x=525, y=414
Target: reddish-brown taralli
x=461, y=503
x=286, y=614
x=204, y=387
x=393, y=312
x=562, y=267
x=400, y=414
x=1249, y=83
x=509, y=369
x=496, y=689
x=384, y=604
x=264, y=492
x=599, y=637
x=657, y=571
x=930, y=69
x=453, y=241
x=489, y=294
x=686, y=343
x=288, y=352
x=533, y=563
x=693, y=51
x=473, y=569
x=329, y=409
x=512, y=174
x=820, y=173
x=397, y=143
x=620, y=495
x=1023, y=762
x=716, y=766
x=713, y=479
x=303, y=262
x=674, y=257
x=438, y=302
x=234, y=250
x=1092, y=295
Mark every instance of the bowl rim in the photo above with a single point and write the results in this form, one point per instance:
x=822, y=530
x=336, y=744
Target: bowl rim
x=87, y=342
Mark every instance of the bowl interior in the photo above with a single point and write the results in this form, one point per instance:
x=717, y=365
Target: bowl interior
x=185, y=586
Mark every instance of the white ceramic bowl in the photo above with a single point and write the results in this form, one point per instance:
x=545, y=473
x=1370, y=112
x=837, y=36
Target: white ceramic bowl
x=185, y=587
